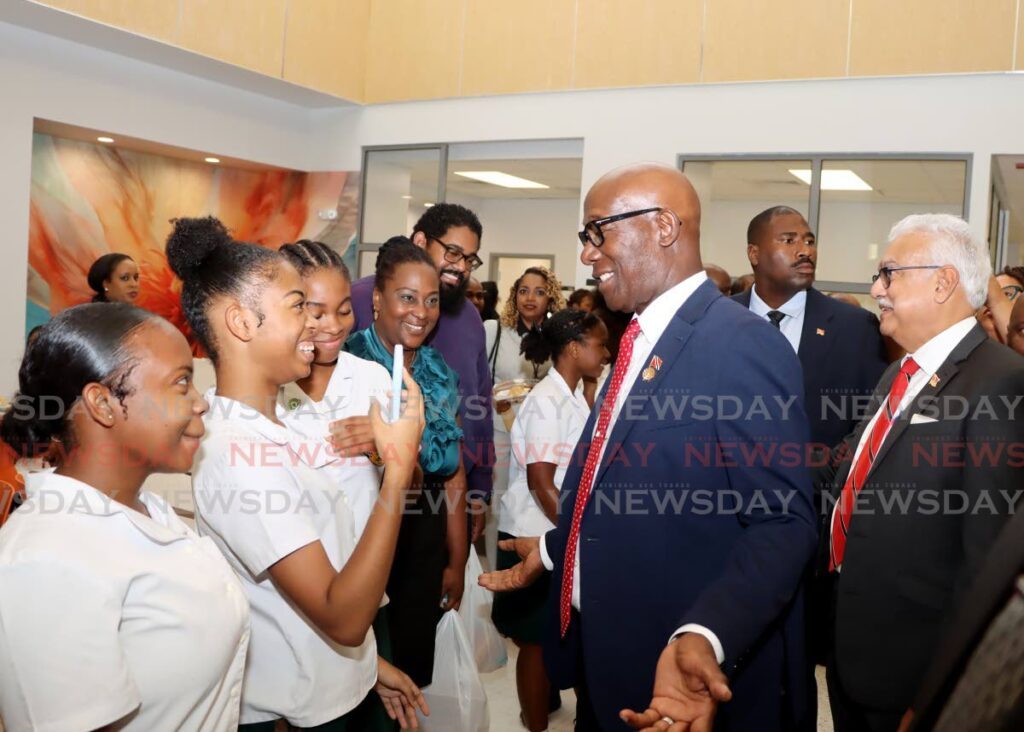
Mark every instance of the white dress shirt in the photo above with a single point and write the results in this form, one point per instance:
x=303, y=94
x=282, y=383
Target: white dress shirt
x=547, y=430
x=929, y=358
x=654, y=320
x=794, y=308
x=260, y=498
x=109, y=614
x=353, y=386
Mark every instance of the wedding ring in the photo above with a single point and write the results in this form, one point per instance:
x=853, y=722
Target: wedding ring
x=669, y=720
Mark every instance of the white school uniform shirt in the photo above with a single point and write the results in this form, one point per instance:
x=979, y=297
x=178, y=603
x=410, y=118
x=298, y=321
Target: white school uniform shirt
x=549, y=425
x=353, y=386
x=108, y=614
x=654, y=321
x=259, y=498
x=794, y=309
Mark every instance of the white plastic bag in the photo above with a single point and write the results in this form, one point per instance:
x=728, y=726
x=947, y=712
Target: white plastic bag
x=456, y=695
x=488, y=645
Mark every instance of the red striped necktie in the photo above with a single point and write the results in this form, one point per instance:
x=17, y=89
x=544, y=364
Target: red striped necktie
x=859, y=472
x=604, y=418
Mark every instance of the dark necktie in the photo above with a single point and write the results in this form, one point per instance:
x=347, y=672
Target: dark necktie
x=776, y=317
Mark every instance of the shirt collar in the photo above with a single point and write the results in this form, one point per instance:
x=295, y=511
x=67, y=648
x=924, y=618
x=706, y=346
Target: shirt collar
x=934, y=353
x=563, y=387
x=230, y=410
x=793, y=307
x=655, y=318
x=76, y=497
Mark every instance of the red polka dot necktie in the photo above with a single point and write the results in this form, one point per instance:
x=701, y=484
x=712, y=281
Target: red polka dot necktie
x=859, y=472
x=604, y=418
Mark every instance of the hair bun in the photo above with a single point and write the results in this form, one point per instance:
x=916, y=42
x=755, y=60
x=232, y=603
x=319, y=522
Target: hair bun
x=192, y=241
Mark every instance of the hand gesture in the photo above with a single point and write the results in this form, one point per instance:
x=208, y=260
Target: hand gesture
x=352, y=436
x=401, y=697
x=688, y=687
x=523, y=574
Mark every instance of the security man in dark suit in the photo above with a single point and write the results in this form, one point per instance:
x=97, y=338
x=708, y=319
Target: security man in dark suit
x=839, y=346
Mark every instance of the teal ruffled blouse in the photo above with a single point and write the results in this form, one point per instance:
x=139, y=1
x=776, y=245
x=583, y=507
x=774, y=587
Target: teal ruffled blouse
x=439, y=449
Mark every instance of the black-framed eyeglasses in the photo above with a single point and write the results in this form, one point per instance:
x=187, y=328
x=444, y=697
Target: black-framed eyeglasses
x=454, y=255
x=592, y=233
x=885, y=273
x=1012, y=292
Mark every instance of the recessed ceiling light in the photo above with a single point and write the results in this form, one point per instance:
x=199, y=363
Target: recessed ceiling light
x=497, y=178
x=427, y=205
x=212, y=160
x=407, y=197
x=835, y=180
x=105, y=139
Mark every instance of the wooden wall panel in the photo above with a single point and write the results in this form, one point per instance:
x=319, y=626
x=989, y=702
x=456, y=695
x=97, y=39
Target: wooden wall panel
x=242, y=32
x=517, y=47
x=154, y=18
x=931, y=36
x=796, y=39
x=325, y=46
x=637, y=43
x=414, y=49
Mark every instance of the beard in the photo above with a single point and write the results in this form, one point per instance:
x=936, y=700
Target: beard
x=453, y=297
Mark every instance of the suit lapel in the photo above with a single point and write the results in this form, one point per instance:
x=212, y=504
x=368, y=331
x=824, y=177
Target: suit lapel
x=668, y=348
x=817, y=336
x=932, y=389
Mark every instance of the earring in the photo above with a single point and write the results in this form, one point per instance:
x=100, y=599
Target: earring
x=376, y=313
x=106, y=289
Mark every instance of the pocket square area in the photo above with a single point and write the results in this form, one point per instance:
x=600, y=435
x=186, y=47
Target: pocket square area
x=922, y=419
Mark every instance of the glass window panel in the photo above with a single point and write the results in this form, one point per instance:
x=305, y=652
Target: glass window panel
x=399, y=185
x=732, y=192
x=506, y=268
x=862, y=199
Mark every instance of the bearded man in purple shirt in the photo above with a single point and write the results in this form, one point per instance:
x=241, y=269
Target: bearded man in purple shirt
x=451, y=234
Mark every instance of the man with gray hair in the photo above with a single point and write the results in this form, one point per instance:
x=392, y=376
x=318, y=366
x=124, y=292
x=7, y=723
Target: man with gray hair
x=928, y=480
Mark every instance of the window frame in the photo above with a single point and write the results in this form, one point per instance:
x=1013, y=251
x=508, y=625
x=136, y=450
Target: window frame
x=814, y=200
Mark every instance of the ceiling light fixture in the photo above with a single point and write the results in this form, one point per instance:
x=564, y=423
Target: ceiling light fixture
x=497, y=178
x=427, y=205
x=105, y=139
x=407, y=197
x=835, y=180
x=212, y=160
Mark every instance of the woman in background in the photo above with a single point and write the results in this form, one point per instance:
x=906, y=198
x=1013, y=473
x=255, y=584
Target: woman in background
x=112, y=611
x=533, y=297
x=544, y=439
x=428, y=575
x=582, y=299
x=114, y=278
x=313, y=585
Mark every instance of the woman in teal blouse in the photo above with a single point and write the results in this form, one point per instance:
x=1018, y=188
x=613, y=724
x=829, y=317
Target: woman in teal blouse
x=428, y=572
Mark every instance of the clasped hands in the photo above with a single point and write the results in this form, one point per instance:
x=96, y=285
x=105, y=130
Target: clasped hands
x=688, y=683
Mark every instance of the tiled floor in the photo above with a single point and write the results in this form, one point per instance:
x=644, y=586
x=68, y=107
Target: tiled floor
x=504, y=706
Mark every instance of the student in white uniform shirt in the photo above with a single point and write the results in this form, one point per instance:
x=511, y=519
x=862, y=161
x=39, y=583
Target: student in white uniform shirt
x=113, y=613
x=544, y=439
x=333, y=402
x=532, y=298
x=283, y=525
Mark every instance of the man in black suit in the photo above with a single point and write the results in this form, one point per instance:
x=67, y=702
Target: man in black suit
x=839, y=346
x=971, y=677
x=935, y=472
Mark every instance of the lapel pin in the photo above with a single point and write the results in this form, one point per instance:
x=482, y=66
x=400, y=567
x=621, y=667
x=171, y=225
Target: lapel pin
x=820, y=331
x=652, y=368
x=934, y=381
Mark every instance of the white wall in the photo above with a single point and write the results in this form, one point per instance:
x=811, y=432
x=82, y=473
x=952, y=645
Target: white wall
x=977, y=114
x=43, y=76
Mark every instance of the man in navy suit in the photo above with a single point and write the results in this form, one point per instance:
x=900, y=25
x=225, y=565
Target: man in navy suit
x=692, y=511
x=840, y=349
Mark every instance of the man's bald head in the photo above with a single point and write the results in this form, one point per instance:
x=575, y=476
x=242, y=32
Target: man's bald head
x=643, y=255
